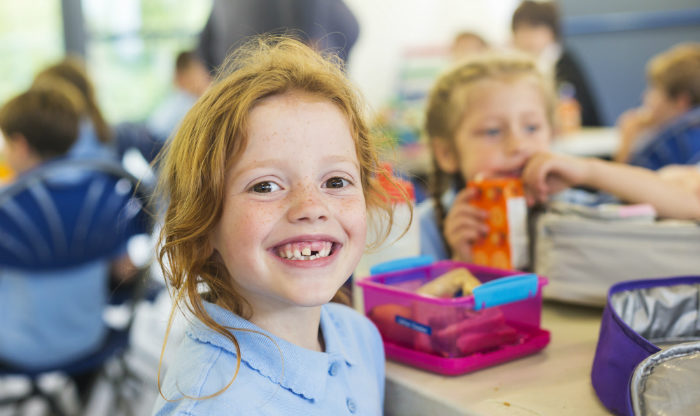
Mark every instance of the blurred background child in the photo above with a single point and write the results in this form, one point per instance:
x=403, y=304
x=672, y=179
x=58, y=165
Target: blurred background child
x=190, y=80
x=665, y=130
x=536, y=30
x=492, y=117
x=467, y=43
x=269, y=181
x=95, y=135
x=485, y=118
x=40, y=124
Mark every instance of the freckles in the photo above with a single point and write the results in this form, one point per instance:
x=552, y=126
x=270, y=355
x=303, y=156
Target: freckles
x=251, y=218
x=354, y=209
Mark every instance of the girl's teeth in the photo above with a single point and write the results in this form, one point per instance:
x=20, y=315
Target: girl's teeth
x=292, y=252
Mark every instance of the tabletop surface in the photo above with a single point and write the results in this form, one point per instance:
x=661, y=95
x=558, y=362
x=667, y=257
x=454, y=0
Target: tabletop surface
x=554, y=381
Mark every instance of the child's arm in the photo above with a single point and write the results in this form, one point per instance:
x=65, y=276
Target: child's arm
x=464, y=224
x=548, y=173
x=685, y=176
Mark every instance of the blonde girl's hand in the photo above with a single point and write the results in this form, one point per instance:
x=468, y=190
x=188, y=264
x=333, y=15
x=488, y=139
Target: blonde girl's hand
x=463, y=225
x=548, y=173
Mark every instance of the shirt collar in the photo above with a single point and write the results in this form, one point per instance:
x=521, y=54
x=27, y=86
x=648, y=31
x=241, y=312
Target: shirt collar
x=298, y=369
x=448, y=197
x=547, y=60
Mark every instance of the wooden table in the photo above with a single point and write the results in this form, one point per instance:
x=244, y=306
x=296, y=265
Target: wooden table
x=555, y=381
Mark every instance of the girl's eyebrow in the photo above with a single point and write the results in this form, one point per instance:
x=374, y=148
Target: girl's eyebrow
x=342, y=159
x=257, y=163
x=532, y=112
x=281, y=161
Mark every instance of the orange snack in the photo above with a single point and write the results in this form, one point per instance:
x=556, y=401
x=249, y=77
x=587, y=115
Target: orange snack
x=506, y=245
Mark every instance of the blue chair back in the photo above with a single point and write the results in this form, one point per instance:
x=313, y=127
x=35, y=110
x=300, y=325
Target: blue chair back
x=60, y=226
x=69, y=212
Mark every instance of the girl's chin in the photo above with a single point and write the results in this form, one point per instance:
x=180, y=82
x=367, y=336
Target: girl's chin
x=313, y=300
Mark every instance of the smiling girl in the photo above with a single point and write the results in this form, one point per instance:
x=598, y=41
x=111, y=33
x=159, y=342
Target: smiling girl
x=270, y=181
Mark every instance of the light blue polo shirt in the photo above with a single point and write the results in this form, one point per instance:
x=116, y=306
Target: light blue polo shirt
x=346, y=379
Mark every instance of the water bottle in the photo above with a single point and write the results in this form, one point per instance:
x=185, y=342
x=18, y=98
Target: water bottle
x=568, y=110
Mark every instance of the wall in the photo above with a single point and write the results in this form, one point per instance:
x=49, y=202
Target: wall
x=388, y=27
x=614, y=39
x=601, y=33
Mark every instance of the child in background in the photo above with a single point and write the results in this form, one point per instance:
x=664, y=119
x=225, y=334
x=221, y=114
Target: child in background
x=95, y=135
x=465, y=44
x=269, y=181
x=190, y=81
x=536, y=30
x=40, y=124
x=665, y=130
x=492, y=117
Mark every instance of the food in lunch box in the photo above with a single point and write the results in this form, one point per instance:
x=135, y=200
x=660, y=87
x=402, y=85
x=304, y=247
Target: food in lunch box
x=475, y=332
x=384, y=317
x=454, y=334
x=448, y=284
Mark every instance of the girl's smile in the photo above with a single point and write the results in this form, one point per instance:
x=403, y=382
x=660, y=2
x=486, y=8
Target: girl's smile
x=307, y=251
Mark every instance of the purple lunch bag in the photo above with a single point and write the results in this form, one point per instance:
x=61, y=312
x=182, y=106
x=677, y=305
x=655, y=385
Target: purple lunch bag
x=647, y=361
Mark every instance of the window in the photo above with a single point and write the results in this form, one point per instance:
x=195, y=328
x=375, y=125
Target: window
x=131, y=47
x=31, y=36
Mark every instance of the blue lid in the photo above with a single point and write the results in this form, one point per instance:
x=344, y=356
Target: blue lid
x=400, y=264
x=505, y=290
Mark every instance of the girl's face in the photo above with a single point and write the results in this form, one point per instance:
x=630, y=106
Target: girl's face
x=506, y=123
x=294, y=217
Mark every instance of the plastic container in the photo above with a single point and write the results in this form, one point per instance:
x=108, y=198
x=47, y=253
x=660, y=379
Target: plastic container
x=498, y=323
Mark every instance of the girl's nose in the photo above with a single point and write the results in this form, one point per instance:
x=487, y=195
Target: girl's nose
x=515, y=143
x=307, y=205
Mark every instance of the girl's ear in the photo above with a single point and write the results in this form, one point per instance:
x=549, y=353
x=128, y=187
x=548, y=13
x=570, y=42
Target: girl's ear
x=445, y=155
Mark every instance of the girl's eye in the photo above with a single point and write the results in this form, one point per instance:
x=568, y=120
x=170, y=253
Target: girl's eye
x=264, y=187
x=336, y=182
x=532, y=128
x=494, y=132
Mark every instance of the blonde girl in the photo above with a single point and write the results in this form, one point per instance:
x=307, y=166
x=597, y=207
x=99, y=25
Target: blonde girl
x=485, y=118
x=492, y=116
x=269, y=180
